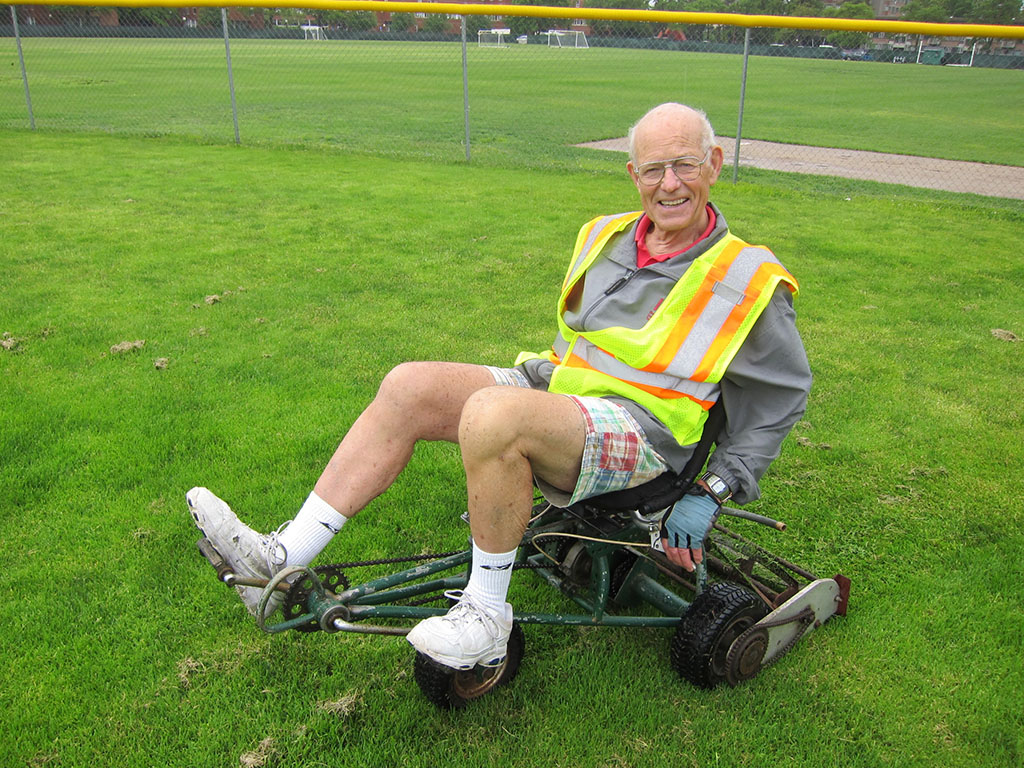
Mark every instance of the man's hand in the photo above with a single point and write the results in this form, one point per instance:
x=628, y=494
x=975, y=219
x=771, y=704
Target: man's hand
x=683, y=529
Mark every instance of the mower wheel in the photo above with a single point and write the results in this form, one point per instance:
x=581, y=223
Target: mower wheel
x=449, y=688
x=719, y=615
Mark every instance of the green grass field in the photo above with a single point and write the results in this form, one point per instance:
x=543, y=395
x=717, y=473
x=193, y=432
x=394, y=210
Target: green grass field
x=528, y=104
x=120, y=648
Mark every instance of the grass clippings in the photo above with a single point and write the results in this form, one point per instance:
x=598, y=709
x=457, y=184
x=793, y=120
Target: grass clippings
x=187, y=669
x=260, y=756
x=10, y=343
x=1004, y=335
x=127, y=346
x=342, y=707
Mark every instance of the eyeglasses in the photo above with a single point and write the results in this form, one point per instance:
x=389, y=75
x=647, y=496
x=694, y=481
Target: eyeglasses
x=685, y=169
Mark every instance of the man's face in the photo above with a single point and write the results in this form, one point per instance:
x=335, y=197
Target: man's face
x=677, y=208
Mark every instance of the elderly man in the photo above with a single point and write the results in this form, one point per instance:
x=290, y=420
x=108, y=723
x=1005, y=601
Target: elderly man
x=662, y=313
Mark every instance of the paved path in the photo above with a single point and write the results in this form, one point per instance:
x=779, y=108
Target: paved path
x=949, y=175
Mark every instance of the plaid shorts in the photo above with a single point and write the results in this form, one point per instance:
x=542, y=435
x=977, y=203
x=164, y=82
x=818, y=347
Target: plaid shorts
x=616, y=456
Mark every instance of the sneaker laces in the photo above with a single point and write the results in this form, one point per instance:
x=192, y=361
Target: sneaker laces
x=468, y=610
x=271, y=543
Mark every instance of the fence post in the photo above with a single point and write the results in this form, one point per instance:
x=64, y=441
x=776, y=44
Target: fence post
x=231, y=76
x=743, y=96
x=465, y=86
x=24, y=75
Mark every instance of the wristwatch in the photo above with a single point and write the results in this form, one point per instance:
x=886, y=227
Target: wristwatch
x=720, y=489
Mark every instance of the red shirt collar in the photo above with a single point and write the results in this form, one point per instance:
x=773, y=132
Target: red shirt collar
x=644, y=257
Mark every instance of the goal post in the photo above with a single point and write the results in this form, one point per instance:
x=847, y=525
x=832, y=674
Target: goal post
x=493, y=38
x=567, y=38
x=313, y=32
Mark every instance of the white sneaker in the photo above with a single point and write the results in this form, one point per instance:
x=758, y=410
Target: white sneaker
x=249, y=553
x=469, y=634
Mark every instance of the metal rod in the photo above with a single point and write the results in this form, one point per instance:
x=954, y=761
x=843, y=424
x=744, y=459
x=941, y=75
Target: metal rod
x=465, y=86
x=369, y=629
x=744, y=514
x=24, y=75
x=743, y=95
x=231, y=76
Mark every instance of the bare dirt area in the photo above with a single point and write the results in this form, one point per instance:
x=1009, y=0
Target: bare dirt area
x=926, y=172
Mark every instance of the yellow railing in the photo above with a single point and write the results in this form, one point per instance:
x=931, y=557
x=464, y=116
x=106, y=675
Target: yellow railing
x=662, y=17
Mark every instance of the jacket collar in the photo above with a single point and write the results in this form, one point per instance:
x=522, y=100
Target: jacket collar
x=623, y=250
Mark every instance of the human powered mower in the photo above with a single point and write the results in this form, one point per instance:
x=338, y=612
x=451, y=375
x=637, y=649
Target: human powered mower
x=740, y=611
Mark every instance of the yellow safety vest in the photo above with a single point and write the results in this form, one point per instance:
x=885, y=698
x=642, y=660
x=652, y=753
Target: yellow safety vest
x=671, y=365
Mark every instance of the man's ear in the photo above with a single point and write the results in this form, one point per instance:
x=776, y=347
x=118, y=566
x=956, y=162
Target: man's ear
x=632, y=174
x=716, y=160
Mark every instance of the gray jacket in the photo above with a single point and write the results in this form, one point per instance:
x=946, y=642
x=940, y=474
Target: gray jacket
x=764, y=390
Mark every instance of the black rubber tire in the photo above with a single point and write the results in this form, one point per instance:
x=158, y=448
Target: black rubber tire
x=719, y=615
x=449, y=688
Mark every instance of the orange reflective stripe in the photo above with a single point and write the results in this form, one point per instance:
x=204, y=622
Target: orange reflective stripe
x=575, y=361
x=693, y=311
x=671, y=394
x=765, y=272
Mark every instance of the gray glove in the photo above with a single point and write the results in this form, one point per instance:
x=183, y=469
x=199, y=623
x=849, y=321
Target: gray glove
x=689, y=520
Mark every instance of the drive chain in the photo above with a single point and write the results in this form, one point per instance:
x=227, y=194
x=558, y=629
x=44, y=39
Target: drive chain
x=805, y=617
x=334, y=580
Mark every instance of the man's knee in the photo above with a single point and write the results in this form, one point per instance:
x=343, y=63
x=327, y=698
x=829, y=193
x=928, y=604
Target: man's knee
x=399, y=381
x=490, y=421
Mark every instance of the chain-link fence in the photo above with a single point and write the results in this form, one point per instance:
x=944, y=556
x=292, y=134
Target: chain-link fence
x=938, y=112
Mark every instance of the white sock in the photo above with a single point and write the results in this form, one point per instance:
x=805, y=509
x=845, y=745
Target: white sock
x=312, y=529
x=489, y=578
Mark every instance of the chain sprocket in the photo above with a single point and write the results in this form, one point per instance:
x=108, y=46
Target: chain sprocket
x=746, y=654
x=333, y=579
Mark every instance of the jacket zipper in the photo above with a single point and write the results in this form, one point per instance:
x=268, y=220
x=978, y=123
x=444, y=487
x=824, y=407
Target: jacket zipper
x=613, y=288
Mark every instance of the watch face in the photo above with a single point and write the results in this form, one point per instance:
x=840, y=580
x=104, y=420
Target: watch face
x=717, y=485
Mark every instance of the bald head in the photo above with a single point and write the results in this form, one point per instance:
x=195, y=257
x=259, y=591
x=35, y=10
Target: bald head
x=675, y=118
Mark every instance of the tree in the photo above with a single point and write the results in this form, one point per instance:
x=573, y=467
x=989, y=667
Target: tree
x=436, y=24
x=853, y=9
x=623, y=28
x=402, y=22
x=698, y=32
x=932, y=11
x=994, y=11
x=149, y=17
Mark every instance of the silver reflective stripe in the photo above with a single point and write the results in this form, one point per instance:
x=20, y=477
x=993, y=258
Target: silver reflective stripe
x=561, y=346
x=602, y=361
x=595, y=233
x=721, y=304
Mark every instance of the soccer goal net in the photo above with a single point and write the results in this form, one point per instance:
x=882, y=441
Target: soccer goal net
x=313, y=32
x=493, y=38
x=561, y=38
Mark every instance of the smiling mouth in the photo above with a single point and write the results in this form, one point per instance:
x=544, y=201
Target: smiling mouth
x=674, y=203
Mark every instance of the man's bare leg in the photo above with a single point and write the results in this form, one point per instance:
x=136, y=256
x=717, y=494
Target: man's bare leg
x=507, y=436
x=416, y=401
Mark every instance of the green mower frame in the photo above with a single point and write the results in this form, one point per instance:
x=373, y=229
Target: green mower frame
x=740, y=611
